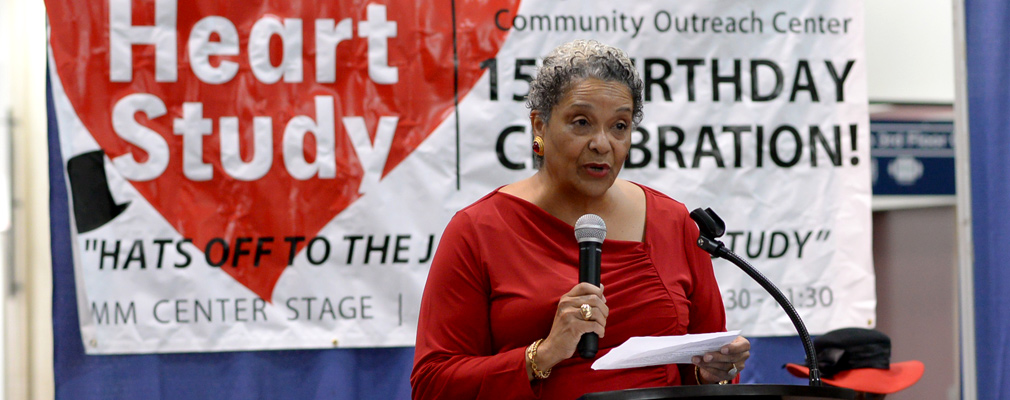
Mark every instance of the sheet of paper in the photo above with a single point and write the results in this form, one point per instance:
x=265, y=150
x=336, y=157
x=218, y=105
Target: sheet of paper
x=643, y=351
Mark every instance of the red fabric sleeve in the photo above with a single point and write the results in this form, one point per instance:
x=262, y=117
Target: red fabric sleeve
x=453, y=358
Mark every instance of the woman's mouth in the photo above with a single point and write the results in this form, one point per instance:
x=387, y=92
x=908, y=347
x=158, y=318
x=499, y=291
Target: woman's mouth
x=597, y=170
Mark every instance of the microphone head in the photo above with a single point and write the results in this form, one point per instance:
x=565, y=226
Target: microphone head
x=590, y=228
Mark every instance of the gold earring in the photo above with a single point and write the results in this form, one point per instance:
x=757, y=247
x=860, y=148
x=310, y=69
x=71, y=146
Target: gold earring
x=538, y=146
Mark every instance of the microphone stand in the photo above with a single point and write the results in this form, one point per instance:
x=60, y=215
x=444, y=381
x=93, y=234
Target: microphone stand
x=712, y=227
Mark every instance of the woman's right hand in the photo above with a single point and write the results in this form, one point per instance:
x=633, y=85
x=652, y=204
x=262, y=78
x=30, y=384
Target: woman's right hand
x=569, y=324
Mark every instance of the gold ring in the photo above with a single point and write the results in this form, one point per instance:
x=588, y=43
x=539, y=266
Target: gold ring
x=587, y=311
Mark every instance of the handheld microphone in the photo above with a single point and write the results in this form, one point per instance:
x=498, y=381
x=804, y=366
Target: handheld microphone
x=590, y=232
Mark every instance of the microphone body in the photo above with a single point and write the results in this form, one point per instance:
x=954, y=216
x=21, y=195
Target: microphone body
x=589, y=271
x=590, y=232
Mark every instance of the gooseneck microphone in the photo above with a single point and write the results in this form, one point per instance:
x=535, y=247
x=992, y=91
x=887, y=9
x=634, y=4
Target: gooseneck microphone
x=711, y=227
x=590, y=232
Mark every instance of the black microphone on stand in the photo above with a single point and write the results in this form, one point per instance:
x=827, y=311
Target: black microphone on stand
x=590, y=232
x=711, y=227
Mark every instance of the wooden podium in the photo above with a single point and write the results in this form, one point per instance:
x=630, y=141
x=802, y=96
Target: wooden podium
x=727, y=392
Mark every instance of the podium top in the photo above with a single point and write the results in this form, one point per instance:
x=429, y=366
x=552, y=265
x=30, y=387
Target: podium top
x=726, y=392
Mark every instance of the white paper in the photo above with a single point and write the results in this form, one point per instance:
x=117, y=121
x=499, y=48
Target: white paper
x=643, y=351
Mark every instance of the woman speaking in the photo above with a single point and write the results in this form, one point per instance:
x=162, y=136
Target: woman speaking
x=503, y=312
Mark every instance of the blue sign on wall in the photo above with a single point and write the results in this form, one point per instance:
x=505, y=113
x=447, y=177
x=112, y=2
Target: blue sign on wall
x=912, y=158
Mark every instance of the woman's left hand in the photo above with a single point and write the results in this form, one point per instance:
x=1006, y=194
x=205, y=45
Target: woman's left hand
x=725, y=364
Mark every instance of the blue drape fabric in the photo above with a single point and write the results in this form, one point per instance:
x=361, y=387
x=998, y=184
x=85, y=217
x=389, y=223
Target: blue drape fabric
x=988, y=58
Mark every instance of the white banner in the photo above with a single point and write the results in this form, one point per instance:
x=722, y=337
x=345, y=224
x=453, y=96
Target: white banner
x=202, y=243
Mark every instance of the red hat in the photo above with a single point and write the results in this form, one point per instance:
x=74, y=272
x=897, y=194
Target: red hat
x=860, y=359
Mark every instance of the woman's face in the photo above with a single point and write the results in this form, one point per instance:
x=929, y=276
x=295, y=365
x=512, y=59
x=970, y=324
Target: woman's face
x=587, y=137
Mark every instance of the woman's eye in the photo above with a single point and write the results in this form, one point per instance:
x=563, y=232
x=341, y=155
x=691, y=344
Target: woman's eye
x=581, y=122
x=621, y=126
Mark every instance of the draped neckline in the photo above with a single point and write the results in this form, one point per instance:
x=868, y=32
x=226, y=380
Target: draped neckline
x=549, y=221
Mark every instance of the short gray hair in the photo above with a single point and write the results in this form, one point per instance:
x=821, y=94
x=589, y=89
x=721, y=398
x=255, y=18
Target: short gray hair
x=576, y=60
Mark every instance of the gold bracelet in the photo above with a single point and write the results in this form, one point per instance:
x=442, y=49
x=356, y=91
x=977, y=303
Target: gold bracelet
x=697, y=376
x=531, y=354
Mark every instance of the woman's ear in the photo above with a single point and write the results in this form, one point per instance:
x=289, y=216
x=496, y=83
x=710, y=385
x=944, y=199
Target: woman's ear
x=537, y=123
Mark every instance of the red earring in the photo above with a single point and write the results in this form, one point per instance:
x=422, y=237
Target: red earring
x=538, y=146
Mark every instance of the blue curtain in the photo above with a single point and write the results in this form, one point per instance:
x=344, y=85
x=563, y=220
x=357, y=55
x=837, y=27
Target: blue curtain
x=988, y=48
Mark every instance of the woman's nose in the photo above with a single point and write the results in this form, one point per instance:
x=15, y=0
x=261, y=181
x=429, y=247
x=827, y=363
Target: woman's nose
x=600, y=142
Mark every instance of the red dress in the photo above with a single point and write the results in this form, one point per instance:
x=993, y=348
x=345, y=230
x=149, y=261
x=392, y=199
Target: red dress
x=500, y=269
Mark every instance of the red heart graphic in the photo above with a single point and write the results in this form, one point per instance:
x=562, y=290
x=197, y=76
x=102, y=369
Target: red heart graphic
x=275, y=205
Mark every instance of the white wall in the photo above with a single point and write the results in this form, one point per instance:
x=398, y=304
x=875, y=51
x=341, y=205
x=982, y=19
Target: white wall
x=28, y=366
x=910, y=51
x=4, y=280
x=910, y=59
x=915, y=257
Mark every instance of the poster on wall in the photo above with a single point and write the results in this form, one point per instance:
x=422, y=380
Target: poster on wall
x=278, y=176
